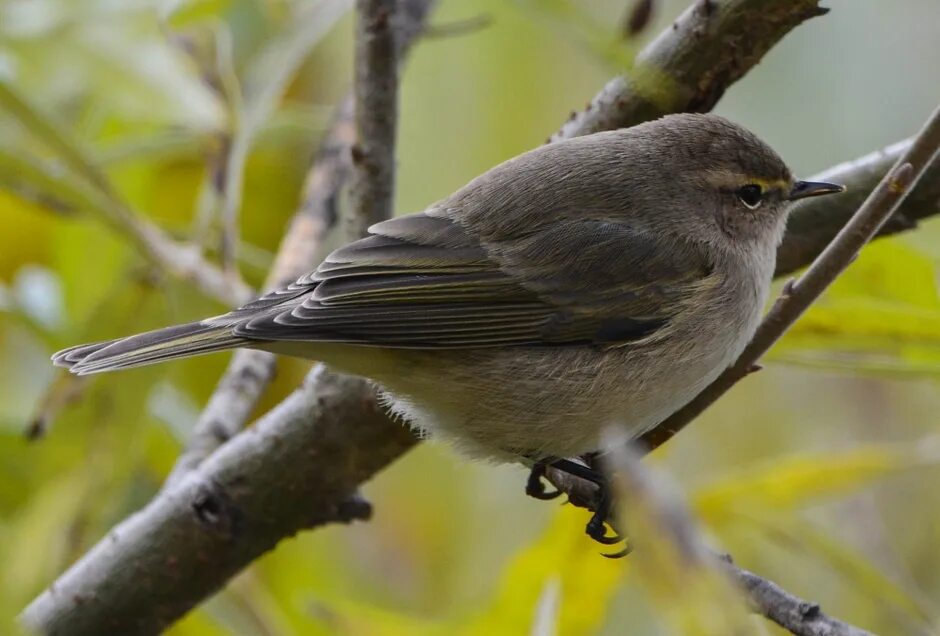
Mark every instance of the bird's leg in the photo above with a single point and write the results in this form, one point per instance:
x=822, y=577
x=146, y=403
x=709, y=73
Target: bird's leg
x=597, y=527
x=535, y=487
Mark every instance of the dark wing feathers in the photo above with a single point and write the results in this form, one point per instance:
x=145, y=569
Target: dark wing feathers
x=422, y=281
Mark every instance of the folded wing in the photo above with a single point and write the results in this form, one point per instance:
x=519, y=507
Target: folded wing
x=423, y=281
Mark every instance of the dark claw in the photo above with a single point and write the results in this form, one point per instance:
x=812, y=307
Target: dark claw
x=535, y=487
x=617, y=555
x=597, y=526
x=597, y=530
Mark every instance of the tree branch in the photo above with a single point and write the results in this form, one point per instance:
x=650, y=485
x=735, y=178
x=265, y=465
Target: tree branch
x=250, y=372
x=813, y=224
x=691, y=64
x=89, y=189
x=794, y=614
x=376, y=115
x=655, y=511
x=291, y=471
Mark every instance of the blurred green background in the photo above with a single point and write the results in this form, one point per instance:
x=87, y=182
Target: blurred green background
x=820, y=472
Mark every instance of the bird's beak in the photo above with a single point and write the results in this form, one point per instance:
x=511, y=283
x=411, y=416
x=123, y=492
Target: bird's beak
x=806, y=189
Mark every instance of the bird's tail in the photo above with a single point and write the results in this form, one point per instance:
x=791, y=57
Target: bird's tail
x=180, y=341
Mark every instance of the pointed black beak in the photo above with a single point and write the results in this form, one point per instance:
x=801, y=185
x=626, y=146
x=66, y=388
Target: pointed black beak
x=806, y=189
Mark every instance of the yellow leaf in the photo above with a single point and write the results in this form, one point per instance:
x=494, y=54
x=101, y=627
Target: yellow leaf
x=801, y=480
x=563, y=557
x=883, y=314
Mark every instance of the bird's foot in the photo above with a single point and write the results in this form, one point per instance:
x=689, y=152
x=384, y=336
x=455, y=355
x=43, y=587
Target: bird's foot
x=597, y=527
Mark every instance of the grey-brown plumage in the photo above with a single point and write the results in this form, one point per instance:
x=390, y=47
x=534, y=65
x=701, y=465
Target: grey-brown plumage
x=600, y=279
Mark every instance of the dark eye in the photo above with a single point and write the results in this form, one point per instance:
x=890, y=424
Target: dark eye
x=750, y=195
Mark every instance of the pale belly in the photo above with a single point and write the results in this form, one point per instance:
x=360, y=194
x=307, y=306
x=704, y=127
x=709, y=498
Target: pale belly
x=537, y=401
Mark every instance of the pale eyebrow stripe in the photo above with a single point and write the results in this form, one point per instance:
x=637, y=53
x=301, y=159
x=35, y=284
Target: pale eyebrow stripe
x=730, y=180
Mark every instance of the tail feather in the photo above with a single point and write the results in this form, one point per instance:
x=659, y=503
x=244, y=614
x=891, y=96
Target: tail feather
x=147, y=348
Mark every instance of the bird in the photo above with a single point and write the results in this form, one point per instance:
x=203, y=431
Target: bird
x=602, y=279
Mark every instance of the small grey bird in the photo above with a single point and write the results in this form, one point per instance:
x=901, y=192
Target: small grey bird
x=606, y=278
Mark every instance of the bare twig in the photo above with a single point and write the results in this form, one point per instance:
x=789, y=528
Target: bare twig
x=880, y=205
x=655, y=497
x=91, y=191
x=794, y=614
x=250, y=372
x=376, y=116
x=226, y=165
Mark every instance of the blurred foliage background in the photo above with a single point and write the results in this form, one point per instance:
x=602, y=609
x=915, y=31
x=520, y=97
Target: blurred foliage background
x=820, y=472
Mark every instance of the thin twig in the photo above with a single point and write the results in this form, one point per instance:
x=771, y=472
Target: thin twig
x=227, y=168
x=90, y=190
x=376, y=116
x=814, y=222
x=654, y=497
x=250, y=372
x=794, y=614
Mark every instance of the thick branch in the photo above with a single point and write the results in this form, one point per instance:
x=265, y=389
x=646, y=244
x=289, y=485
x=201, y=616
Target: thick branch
x=292, y=471
x=691, y=64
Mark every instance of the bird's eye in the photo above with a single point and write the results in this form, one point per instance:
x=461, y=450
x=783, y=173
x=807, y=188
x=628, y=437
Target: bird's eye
x=750, y=195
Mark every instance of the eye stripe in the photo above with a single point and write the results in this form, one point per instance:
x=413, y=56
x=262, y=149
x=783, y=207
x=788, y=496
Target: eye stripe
x=771, y=184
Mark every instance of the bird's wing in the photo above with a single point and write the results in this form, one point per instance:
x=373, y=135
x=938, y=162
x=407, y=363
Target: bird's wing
x=423, y=281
